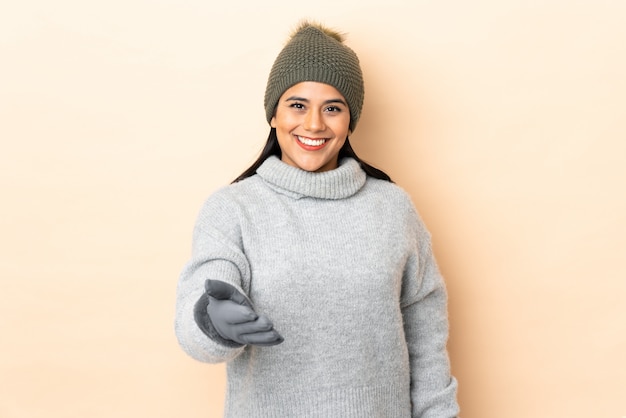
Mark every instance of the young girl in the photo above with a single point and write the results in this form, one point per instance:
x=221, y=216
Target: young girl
x=312, y=275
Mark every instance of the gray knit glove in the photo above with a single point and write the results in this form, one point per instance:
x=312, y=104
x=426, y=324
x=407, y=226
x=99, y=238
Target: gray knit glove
x=226, y=315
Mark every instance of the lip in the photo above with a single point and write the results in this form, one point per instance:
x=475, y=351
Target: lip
x=310, y=147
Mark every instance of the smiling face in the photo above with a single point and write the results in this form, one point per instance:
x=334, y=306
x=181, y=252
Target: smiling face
x=312, y=123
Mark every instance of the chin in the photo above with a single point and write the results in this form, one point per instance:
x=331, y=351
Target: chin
x=313, y=166
x=310, y=167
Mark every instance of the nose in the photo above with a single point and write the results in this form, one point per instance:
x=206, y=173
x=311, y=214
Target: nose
x=314, y=121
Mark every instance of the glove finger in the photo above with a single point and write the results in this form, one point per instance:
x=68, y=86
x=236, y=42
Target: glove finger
x=229, y=312
x=261, y=324
x=222, y=290
x=265, y=338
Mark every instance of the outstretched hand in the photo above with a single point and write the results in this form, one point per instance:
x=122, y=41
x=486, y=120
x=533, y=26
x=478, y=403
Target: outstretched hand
x=234, y=318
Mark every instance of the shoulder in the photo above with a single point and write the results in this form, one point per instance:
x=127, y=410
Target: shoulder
x=227, y=203
x=394, y=196
x=233, y=194
x=396, y=200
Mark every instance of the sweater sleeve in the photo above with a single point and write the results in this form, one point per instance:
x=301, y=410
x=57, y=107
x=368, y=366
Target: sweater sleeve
x=216, y=255
x=424, y=311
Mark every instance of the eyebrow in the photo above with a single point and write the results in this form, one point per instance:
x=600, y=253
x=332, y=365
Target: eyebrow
x=302, y=99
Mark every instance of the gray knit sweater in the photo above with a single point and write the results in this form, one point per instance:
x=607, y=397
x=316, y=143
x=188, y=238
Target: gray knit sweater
x=342, y=265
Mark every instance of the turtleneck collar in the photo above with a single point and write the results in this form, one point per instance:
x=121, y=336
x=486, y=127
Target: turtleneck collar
x=340, y=183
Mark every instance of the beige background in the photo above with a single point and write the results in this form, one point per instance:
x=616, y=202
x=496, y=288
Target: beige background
x=505, y=120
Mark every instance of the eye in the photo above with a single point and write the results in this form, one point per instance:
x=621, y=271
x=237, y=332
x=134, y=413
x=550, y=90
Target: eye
x=333, y=109
x=297, y=105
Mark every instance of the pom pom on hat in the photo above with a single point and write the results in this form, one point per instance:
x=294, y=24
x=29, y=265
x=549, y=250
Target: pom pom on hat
x=316, y=53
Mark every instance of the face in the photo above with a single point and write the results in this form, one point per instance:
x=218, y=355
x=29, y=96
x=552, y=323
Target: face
x=312, y=123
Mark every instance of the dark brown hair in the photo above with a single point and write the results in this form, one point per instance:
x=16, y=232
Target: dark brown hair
x=272, y=148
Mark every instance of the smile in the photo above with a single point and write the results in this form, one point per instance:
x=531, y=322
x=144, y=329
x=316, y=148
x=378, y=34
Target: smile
x=311, y=142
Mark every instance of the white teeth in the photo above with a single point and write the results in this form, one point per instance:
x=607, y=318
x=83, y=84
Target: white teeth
x=311, y=142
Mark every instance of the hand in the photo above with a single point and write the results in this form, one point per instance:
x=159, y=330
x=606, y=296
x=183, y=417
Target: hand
x=234, y=318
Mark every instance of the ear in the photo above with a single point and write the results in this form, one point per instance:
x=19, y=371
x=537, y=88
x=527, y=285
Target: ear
x=273, y=122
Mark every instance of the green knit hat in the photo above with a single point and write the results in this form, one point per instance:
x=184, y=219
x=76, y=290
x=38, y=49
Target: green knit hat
x=316, y=53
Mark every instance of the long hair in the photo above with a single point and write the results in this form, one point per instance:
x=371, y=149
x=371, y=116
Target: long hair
x=272, y=148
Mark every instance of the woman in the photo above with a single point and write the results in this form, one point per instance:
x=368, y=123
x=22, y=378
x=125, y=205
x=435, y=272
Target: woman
x=312, y=274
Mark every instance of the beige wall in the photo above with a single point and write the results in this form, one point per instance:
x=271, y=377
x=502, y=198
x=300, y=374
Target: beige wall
x=505, y=120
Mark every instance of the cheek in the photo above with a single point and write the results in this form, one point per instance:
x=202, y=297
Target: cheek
x=284, y=121
x=283, y=134
x=342, y=127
